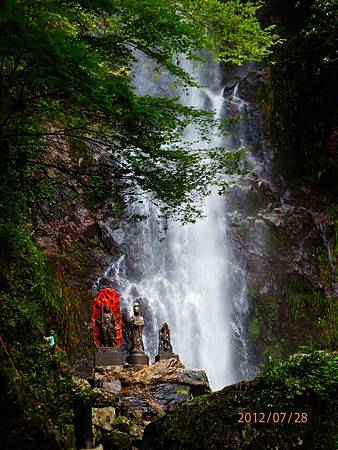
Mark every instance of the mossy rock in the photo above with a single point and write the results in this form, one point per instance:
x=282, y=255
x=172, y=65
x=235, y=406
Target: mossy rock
x=305, y=384
x=116, y=440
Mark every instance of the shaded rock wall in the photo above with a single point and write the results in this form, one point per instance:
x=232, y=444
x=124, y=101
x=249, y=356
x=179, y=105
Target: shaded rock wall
x=75, y=227
x=300, y=93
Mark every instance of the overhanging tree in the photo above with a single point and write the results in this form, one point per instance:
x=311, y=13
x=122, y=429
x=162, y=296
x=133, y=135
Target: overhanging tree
x=66, y=65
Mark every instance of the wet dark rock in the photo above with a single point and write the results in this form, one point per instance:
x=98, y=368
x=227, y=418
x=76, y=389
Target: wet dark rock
x=252, y=192
x=286, y=235
x=248, y=86
x=232, y=75
x=289, y=277
x=66, y=193
x=170, y=395
x=110, y=237
x=138, y=401
x=89, y=230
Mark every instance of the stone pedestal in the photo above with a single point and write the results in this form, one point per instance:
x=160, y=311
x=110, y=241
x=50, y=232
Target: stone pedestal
x=138, y=359
x=166, y=355
x=108, y=356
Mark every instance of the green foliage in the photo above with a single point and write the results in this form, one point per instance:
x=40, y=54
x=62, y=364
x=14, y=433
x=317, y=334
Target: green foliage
x=293, y=315
x=254, y=328
x=234, y=33
x=300, y=375
x=65, y=72
x=33, y=300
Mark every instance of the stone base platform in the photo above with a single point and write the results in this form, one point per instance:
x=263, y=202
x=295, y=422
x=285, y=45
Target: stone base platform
x=108, y=356
x=138, y=359
x=166, y=355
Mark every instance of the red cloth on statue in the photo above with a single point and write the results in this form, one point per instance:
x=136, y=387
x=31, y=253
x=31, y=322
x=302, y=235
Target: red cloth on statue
x=111, y=298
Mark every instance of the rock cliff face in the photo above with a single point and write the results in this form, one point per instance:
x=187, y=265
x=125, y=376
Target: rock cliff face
x=287, y=243
x=299, y=96
x=75, y=228
x=289, y=254
x=126, y=399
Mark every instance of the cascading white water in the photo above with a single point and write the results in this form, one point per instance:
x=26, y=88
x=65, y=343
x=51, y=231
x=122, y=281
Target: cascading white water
x=190, y=279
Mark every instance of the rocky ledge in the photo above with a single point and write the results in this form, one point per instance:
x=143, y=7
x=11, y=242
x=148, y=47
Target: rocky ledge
x=126, y=399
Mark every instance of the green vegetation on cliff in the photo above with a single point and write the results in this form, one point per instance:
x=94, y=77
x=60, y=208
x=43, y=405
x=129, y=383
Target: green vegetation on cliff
x=300, y=393
x=294, y=315
x=36, y=390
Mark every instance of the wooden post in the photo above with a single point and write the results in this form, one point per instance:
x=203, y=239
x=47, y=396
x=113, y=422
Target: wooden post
x=83, y=423
x=9, y=357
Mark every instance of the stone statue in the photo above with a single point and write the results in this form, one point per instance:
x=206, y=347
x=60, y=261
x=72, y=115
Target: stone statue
x=165, y=349
x=136, y=328
x=136, y=323
x=164, y=341
x=107, y=327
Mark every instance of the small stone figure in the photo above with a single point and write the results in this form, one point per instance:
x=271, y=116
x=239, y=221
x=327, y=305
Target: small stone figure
x=165, y=349
x=107, y=327
x=165, y=344
x=136, y=323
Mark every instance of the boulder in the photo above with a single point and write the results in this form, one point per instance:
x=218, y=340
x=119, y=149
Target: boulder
x=248, y=86
x=104, y=418
x=116, y=440
x=166, y=371
x=128, y=398
x=112, y=386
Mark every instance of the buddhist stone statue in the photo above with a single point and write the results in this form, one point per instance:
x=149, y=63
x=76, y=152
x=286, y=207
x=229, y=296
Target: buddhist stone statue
x=136, y=324
x=136, y=328
x=165, y=349
x=164, y=338
x=109, y=353
x=107, y=327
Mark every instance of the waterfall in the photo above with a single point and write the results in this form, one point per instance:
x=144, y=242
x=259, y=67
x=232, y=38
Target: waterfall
x=190, y=279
